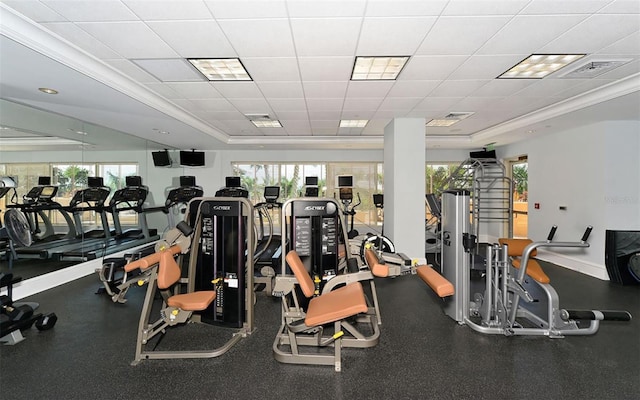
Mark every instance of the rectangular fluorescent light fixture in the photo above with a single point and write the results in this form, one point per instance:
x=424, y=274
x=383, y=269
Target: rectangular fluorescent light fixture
x=272, y=123
x=353, y=123
x=537, y=66
x=378, y=68
x=221, y=69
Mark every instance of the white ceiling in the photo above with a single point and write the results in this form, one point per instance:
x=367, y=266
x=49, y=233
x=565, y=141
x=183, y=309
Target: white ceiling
x=120, y=65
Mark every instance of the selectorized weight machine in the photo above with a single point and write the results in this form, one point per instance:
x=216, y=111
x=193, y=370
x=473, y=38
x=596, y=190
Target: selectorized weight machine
x=516, y=297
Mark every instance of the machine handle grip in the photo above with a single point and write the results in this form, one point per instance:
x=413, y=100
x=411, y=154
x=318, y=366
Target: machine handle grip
x=595, y=315
x=586, y=234
x=552, y=233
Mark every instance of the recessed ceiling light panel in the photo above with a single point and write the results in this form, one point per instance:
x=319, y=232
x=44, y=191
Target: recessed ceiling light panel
x=377, y=68
x=48, y=90
x=353, y=123
x=221, y=69
x=274, y=123
x=537, y=66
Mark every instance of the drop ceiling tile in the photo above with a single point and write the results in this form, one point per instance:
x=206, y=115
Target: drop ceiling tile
x=195, y=90
x=324, y=104
x=623, y=71
x=436, y=103
x=221, y=115
x=164, y=90
x=213, y=105
x=325, y=36
x=548, y=87
x=319, y=124
x=92, y=11
x=272, y=68
x=331, y=116
x=364, y=89
x=622, y=7
x=259, y=38
x=364, y=104
x=325, y=89
x=233, y=90
x=234, y=9
x=251, y=106
x=503, y=87
x=357, y=114
x=627, y=45
x=390, y=114
x=350, y=131
x=325, y=68
x=273, y=131
x=170, y=70
x=292, y=125
x=286, y=105
x=564, y=7
x=380, y=8
x=522, y=35
x=35, y=10
x=132, y=70
x=475, y=104
x=412, y=88
x=149, y=10
x=430, y=67
x=400, y=103
x=82, y=39
x=393, y=36
x=583, y=86
x=293, y=131
x=486, y=67
x=484, y=7
x=117, y=35
x=293, y=115
x=194, y=39
x=460, y=35
x=589, y=37
x=281, y=89
x=331, y=8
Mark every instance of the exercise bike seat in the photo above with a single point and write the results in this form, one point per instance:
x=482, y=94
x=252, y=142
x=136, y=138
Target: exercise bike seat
x=515, y=248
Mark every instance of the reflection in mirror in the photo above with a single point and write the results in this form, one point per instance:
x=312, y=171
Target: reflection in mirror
x=68, y=219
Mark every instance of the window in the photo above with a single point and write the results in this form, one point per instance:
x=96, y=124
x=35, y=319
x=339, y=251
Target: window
x=69, y=178
x=291, y=178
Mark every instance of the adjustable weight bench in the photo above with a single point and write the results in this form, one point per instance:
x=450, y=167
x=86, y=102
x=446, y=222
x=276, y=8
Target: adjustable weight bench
x=305, y=328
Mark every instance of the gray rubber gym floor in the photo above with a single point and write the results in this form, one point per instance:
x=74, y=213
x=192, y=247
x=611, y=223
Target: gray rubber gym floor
x=422, y=353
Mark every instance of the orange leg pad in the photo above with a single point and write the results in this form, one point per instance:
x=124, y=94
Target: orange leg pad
x=534, y=270
x=437, y=282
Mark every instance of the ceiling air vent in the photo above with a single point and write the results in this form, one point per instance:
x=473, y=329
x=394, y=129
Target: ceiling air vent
x=594, y=68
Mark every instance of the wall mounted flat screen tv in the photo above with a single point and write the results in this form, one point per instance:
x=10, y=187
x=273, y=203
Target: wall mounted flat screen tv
x=192, y=158
x=161, y=158
x=44, y=180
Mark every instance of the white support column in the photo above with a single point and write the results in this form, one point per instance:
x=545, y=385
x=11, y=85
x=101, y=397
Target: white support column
x=404, y=177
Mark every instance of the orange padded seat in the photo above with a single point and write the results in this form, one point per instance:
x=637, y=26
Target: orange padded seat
x=515, y=248
x=195, y=301
x=437, y=282
x=377, y=269
x=534, y=270
x=330, y=307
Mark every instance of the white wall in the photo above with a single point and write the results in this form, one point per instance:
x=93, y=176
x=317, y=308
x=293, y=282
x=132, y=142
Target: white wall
x=593, y=171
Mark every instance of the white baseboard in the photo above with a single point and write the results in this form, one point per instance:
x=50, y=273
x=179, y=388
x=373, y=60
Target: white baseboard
x=574, y=264
x=29, y=287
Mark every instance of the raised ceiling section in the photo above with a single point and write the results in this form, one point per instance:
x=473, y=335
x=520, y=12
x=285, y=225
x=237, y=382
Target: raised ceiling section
x=128, y=66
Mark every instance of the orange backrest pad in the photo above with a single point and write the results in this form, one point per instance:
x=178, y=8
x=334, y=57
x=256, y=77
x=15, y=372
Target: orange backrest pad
x=534, y=270
x=150, y=260
x=515, y=247
x=168, y=270
x=299, y=270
